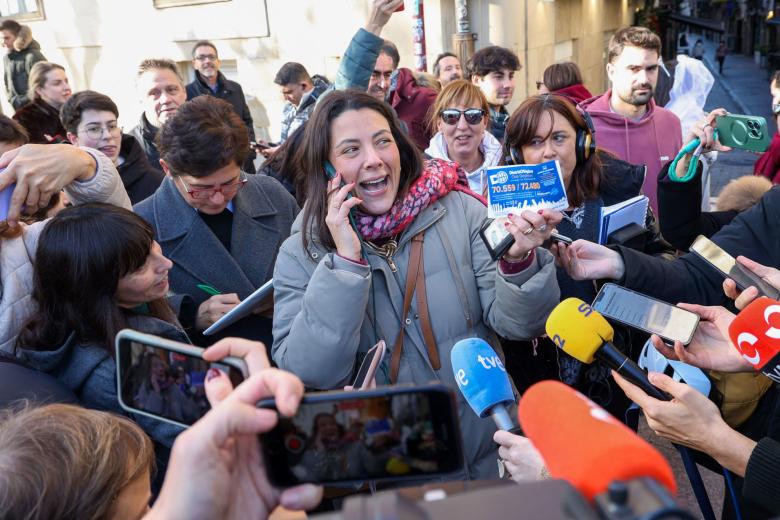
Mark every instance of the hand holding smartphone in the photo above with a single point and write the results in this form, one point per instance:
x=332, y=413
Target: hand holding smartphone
x=387, y=434
x=164, y=379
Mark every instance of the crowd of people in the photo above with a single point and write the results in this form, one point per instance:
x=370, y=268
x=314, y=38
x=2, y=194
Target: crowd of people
x=366, y=214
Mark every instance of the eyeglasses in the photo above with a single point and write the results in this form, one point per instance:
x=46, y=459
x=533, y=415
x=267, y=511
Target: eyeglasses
x=204, y=57
x=227, y=190
x=451, y=116
x=96, y=131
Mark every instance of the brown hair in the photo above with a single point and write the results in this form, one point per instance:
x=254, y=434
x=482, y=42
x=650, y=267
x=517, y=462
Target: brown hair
x=458, y=92
x=203, y=136
x=204, y=43
x=64, y=461
x=315, y=148
x=78, y=103
x=641, y=37
x=521, y=129
x=561, y=75
x=38, y=77
x=11, y=26
x=159, y=63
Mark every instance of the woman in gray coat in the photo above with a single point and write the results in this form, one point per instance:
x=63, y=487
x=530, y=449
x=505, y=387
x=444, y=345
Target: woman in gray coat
x=337, y=293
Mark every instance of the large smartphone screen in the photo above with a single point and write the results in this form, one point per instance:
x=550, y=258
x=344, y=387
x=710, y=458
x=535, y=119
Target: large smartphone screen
x=711, y=253
x=645, y=313
x=365, y=438
x=166, y=384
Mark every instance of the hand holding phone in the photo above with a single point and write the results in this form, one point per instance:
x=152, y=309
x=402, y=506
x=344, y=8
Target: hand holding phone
x=222, y=467
x=340, y=205
x=349, y=437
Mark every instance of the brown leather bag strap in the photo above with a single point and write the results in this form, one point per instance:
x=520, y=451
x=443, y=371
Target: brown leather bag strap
x=415, y=255
x=422, y=310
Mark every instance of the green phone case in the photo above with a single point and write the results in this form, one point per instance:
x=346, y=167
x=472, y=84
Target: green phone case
x=743, y=132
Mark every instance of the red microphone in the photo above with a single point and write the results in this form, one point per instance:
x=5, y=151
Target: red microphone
x=755, y=333
x=583, y=444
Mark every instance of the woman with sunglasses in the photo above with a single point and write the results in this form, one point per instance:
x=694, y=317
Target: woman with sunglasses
x=549, y=128
x=460, y=115
x=220, y=227
x=339, y=289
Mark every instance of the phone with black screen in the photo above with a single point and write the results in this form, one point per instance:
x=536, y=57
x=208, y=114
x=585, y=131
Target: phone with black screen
x=727, y=266
x=387, y=434
x=164, y=379
x=645, y=313
x=369, y=366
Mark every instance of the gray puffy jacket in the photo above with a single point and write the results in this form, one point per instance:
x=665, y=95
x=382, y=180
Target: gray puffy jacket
x=321, y=313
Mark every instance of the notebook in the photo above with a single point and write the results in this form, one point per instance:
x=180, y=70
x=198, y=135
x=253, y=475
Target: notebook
x=618, y=216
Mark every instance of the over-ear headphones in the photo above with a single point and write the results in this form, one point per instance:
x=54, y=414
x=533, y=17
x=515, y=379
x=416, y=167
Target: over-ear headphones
x=586, y=140
x=585, y=143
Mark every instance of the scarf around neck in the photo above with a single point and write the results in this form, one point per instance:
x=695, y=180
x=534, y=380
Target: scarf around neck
x=438, y=178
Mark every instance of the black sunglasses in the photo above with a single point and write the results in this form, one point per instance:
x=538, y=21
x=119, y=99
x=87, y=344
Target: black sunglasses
x=451, y=116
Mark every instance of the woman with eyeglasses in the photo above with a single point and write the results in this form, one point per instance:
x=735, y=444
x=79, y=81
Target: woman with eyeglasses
x=220, y=227
x=460, y=116
x=388, y=248
x=49, y=89
x=90, y=119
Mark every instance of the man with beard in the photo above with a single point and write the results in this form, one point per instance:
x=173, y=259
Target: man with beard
x=209, y=81
x=626, y=120
x=161, y=90
x=447, y=68
x=493, y=69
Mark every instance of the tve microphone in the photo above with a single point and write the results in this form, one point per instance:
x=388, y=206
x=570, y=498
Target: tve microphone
x=755, y=332
x=583, y=444
x=482, y=380
x=584, y=334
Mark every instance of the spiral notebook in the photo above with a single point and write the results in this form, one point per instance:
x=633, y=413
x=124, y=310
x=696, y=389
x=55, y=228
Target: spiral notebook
x=622, y=214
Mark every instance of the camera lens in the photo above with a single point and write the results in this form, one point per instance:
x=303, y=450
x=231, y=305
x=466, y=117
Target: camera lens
x=751, y=124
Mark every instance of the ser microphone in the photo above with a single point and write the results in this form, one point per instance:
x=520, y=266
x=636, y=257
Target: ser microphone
x=584, y=334
x=755, y=333
x=483, y=381
x=583, y=444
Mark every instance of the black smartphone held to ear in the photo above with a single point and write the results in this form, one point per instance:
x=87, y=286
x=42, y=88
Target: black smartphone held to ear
x=164, y=379
x=393, y=433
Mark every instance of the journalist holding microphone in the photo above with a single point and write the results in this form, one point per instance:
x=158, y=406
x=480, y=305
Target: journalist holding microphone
x=412, y=271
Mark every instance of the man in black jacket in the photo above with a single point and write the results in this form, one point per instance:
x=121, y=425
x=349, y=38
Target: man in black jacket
x=754, y=233
x=90, y=119
x=209, y=81
x=161, y=89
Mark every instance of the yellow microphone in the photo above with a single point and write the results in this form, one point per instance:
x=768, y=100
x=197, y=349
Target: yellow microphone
x=577, y=329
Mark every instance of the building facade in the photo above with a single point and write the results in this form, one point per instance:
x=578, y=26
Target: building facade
x=101, y=42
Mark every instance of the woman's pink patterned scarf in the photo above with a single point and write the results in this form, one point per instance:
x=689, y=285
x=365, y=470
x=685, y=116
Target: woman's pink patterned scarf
x=438, y=178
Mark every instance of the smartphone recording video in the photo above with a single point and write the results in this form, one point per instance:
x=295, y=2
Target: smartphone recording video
x=165, y=379
x=393, y=433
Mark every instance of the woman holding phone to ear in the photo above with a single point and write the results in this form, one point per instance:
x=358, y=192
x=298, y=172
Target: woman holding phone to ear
x=338, y=291
x=550, y=128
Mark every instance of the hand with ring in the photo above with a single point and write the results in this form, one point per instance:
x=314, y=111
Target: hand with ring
x=530, y=230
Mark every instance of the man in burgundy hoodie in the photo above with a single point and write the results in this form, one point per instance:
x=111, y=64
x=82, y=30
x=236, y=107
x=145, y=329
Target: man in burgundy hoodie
x=626, y=119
